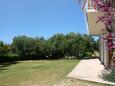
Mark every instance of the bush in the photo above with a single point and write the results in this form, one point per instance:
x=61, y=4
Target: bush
x=110, y=76
x=9, y=57
x=87, y=55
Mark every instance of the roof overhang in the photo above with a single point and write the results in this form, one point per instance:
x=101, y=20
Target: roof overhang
x=93, y=27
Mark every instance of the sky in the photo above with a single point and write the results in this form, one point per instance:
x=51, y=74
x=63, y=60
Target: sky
x=39, y=18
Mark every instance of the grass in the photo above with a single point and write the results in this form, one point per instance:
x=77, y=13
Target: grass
x=40, y=73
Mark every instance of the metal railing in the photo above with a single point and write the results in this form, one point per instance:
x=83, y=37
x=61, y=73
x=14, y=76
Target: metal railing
x=90, y=4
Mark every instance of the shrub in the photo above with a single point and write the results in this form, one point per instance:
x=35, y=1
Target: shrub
x=87, y=55
x=9, y=57
x=110, y=76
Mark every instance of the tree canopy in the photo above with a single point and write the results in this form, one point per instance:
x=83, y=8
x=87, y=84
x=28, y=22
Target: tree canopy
x=58, y=46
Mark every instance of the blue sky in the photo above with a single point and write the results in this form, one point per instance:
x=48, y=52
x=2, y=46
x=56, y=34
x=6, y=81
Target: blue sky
x=39, y=18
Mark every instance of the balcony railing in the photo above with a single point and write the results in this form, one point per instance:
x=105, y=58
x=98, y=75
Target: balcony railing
x=90, y=4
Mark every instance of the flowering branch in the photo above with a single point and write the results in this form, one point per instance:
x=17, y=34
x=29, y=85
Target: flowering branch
x=108, y=7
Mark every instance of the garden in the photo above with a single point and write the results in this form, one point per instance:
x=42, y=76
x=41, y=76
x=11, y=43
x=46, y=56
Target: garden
x=38, y=61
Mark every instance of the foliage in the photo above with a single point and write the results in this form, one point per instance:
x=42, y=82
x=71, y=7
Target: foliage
x=28, y=47
x=57, y=46
x=108, y=7
x=108, y=18
x=75, y=44
x=4, y=48
x=110, y=76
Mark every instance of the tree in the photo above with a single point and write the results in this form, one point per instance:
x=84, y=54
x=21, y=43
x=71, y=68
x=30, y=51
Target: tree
x=4, y=49
x=75, y=45
x=57, y=45
x=88, y=43
x=29, y=48
x=23, y=46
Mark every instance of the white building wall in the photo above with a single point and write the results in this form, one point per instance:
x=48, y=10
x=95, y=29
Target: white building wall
x=105, y=54
x=104, y=51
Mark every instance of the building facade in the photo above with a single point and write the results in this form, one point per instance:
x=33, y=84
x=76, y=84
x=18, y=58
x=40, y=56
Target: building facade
x=96, y=29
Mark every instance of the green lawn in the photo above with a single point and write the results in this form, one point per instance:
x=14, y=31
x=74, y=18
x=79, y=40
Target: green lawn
x=40, y=73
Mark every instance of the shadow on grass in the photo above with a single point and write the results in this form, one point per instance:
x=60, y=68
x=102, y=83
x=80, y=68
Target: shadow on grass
x=5, y=65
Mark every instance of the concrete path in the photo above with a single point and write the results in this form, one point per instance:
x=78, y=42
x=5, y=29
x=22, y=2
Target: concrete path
x=90, y=70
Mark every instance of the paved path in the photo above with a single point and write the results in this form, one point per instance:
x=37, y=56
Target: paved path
x=90, y=70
